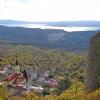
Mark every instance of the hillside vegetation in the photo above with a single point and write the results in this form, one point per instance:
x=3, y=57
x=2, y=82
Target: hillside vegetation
x=68, y=65
x=47, y=38
x=42, y=58
x=70, y=94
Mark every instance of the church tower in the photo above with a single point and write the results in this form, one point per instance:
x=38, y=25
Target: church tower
x=17, y=67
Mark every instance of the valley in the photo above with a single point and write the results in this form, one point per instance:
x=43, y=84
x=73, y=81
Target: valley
x=44, y=64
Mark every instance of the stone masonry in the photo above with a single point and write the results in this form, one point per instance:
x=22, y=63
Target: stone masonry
x=93, y=64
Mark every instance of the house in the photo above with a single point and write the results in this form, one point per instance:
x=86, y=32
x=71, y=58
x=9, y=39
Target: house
x=4, y=69
x=32, y=74
x=12, y=76
x=52, y=83
x=19, y=80
x=47, y=80
x=15, y=78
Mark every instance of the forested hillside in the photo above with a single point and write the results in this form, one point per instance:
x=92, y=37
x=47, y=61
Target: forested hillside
x=43, y=58
x=69, y=70
x=64, y=66
x=47, y=38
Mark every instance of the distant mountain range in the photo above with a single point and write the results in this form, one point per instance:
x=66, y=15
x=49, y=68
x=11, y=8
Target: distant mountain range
x=47, y=38
x=59, y=23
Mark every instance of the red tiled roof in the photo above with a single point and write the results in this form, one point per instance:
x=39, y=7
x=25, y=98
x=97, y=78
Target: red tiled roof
x=12, y=76
x=18, y=80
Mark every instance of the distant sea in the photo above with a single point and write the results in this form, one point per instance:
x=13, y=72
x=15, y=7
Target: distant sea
x=43, y=26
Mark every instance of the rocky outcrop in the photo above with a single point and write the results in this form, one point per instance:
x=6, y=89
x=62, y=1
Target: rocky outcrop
x=93, y=67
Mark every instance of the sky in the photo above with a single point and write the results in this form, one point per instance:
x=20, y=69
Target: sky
x=50, y=10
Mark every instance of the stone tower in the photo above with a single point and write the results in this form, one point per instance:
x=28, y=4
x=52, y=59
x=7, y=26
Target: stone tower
x=93, y=64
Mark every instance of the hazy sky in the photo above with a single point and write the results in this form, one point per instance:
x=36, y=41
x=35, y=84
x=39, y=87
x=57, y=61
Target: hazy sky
x=50, y=10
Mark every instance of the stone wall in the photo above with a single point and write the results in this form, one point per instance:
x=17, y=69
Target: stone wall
x=93, y=64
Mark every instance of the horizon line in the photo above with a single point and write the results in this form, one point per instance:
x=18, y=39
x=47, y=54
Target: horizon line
x=50, y=21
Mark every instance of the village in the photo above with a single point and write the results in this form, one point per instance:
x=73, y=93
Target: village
x=29, y=79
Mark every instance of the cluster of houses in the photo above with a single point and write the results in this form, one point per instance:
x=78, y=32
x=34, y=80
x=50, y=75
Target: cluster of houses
x=30, y=79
